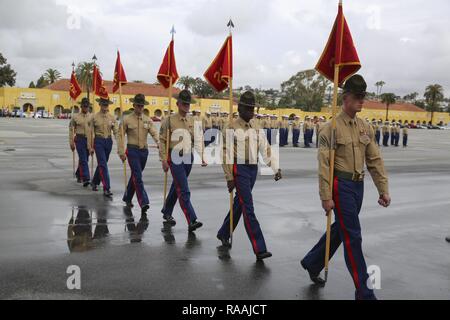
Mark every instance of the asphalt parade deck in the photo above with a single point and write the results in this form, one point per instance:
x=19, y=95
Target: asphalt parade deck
x=38, y=197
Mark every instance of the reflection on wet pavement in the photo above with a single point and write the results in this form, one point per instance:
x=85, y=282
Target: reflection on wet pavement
x=80, y=236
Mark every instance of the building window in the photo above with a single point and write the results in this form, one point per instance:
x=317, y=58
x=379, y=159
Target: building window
x=153, y=102
x=114, y=100
x=166, y=102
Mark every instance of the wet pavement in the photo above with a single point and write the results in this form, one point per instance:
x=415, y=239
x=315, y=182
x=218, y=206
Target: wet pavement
x=49, y=222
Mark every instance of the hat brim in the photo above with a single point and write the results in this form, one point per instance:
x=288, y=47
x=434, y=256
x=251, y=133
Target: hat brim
x=84, y=104
x=249, y=105
x=104, y=101
x=192, y=101
x=144, y=103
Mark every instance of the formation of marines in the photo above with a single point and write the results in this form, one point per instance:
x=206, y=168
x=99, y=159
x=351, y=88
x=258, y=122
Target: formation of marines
x=356, y=143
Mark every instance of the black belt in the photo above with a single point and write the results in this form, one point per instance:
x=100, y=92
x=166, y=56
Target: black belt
x=133, y=146
x=357, y=177
x=81, y=135
x=100, y=137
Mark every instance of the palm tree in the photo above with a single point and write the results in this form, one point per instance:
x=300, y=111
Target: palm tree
x=186, y=82
x=52, y=75
x=388, y=99
x=379, y=86
x=84, y=75
x=434, y=94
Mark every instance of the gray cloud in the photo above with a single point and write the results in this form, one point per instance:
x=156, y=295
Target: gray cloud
x=405, y=43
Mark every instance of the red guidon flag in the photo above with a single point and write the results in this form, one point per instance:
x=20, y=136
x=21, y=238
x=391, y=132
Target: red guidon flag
x=119, y=75
x=221, y=69
x=75, y=89
x=168, y=68
x=340, y=51
x=97, y=84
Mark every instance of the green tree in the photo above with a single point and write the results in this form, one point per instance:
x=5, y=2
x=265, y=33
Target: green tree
x=186, y=82
x=52, y=75
x=434, y=94
x=202, y=89
x=305, y=90
x=32, y=85
x=84, y=75
x=388, y=99
x=261, y=99
x=7, y=74
x=41, y=82
x=420, y=104
x=138, y=81
x=411, y=97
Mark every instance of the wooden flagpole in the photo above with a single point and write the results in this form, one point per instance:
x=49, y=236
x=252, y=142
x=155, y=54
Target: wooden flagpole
x=73, y=134
x=169, y=114
x=230, y=119
x=122, y=134
x=332, y=157
x=73, y=129
x=94, y=58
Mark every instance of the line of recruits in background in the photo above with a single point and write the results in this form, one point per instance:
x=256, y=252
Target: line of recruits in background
x=282, y=127
x=389, y=132
x=273, y=125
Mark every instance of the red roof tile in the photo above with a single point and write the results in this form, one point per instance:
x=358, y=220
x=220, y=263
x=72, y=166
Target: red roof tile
x=129, y=89
x=369, y=104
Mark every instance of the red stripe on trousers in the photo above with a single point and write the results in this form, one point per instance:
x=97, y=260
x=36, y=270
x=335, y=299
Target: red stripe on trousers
x=178, y=190
x=247, y=222
x=346, y=236
x=138, y=195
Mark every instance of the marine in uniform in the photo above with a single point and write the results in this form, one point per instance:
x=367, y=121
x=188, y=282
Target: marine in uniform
x=385, y=131
x=265, y=124
x=392, y=133
x=136, y=127
x=376, y=128
x=306, y=131
x=80, y=138
x=180, y=160
x=284, y=131
x=397, y=133
x=274, y=129
x=319, y=125
x=241, y=174
x=355, y=145
x=295, y=131
x=207, y=129
x=104, y=125
x=405, y=136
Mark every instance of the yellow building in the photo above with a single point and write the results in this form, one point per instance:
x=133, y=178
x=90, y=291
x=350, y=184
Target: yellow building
x=55, y=99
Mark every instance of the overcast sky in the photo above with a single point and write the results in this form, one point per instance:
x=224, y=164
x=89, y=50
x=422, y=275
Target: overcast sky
x=405, y=43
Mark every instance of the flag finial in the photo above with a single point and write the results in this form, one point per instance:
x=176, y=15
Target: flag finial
x=230, y=24
x=173, y=31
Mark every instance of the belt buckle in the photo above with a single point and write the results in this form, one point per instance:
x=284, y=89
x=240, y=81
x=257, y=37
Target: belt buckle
x=358, y=177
